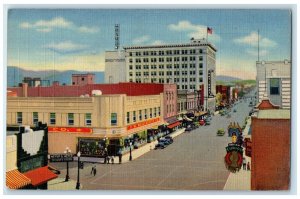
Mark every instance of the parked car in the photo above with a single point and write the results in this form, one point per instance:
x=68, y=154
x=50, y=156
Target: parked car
x=165, y=141
x=220, y=132
x=234, y=110
x=160, y=146
x=207, y=122
x=202, y=122
x=169, y=138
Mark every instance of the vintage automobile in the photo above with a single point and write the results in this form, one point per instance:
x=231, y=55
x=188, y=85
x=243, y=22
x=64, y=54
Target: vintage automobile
x=220, y=132
x=202, y=122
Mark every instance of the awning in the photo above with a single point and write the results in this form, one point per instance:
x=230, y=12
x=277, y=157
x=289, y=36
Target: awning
x=171, y=120
x=16, y=180
x=200, y=113
x=174, y=125
x=40, y=175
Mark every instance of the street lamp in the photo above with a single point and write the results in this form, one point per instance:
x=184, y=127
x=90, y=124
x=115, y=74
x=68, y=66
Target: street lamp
x=78, y=183
x=130, y=154
x=105, y=150
x=67, y=152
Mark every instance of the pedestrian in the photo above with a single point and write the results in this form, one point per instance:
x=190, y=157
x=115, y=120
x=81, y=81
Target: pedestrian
x=120, y=158
x=244, y=164
x=92, y=171
x=108, y=159
x=112, y=160
x=248, y=166
x=95, y=171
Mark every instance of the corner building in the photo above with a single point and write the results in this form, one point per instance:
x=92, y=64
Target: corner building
x=188, y=65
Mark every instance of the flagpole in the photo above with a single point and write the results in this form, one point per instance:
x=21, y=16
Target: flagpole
x=258, y=45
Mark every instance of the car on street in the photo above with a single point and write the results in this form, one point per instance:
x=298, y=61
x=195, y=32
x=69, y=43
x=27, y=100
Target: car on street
x=202, y=122
x=220, y=132
x=188, y=129
x=234, y=110
x=164, y=141
x=207, y=122
x=160, y=146
x=169, y=138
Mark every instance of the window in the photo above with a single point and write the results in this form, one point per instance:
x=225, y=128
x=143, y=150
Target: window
x=35, y=117
x=145, y=113
x=52, y=118
x=130, y=67
x=73, y=83
x=88, y=119
x=200, y=58
x=155, y=112
x=70, y=118
x=134, y=117
x=19, y=118
x=274, y=86
x=140, y=115
x=146, y=66
x=130, y=53
x=113, y=119
x=158, y=111
x=130, y=60
x=128, y=117
x=201, y=65
x=82, y=79
x=150, y=112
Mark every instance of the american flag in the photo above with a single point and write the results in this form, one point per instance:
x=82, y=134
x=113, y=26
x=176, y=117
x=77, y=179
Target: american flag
x=209, y=30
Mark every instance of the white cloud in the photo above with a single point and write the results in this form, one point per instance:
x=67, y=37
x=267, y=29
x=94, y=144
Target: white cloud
x=194, y=30
x=157, y=42
x=66, y=47
x=252, y=40
x=57, y=22
x=141, y=40
x=254, y=52
x=85, y=29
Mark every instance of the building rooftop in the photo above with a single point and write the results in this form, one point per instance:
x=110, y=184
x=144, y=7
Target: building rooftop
x=173, y=45
x=274, y=114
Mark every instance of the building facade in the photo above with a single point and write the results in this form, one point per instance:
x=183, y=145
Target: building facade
x=270, y=162
x=70, y=119
x=115, y=69
x=188, y=65
x=274, y=78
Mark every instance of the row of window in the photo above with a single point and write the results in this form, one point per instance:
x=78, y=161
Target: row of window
x=168, y=80
x=52, y=118
x=168, y=66
x=142, y=114
x=168, y=59
x=167, y=52
x=168, y=73
x=185, y=87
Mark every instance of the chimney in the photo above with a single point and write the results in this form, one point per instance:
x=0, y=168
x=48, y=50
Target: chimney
x=24, y=89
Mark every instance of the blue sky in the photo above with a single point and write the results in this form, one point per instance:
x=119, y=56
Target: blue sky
x=77, y=39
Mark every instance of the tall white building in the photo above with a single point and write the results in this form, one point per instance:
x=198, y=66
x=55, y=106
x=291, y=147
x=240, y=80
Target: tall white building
x=189, y=65
x=115, y=69
x=274, y=79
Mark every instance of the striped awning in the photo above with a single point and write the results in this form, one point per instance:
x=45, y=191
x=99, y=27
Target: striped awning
x=16, y=180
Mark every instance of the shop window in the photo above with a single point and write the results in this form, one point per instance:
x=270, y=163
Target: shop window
x=88, y=119
x=19, y=117
x=52, y=118
x=35, y=117
x=70, y=118
x=113, y=119
x=274, y=86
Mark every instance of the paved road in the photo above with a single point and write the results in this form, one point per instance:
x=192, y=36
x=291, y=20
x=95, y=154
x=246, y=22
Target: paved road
x=195, y=161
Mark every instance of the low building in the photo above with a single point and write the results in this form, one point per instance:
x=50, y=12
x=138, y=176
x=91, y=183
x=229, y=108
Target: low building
x=115, y=67
x=271, y=143
x=83, y=79
x=110, y=120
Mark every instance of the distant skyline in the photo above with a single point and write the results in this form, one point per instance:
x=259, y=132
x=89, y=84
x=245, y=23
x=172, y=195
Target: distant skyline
x=76, y=39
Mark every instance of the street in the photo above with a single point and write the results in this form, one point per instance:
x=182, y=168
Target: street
x=195, y=161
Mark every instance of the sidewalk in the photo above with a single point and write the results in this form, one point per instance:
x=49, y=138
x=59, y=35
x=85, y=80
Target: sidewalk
x=60, y=184
x=240, y=180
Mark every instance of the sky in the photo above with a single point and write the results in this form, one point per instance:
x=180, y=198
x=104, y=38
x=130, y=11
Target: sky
x=76, y=39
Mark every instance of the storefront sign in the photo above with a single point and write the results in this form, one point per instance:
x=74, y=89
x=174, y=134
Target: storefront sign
x=61, y=157
x=144, y=123
x=234, y=157
x=69, y=130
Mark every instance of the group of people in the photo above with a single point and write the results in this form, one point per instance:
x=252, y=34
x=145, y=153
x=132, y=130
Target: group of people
x=246, y=165
x=108, y=159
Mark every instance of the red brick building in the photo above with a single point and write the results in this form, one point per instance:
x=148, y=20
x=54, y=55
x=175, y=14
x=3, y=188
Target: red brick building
x=271, y=143
x=83, y=79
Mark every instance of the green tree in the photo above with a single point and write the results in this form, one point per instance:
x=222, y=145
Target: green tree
x=218, y=99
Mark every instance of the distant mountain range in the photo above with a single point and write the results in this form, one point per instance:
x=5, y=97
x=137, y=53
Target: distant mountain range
x=15, y=75
x=223, y=78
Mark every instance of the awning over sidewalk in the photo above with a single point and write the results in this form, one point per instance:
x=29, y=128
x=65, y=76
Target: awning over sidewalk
x=40, y=175
x=197, y=114
x=16, y=180
x=173, y=125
